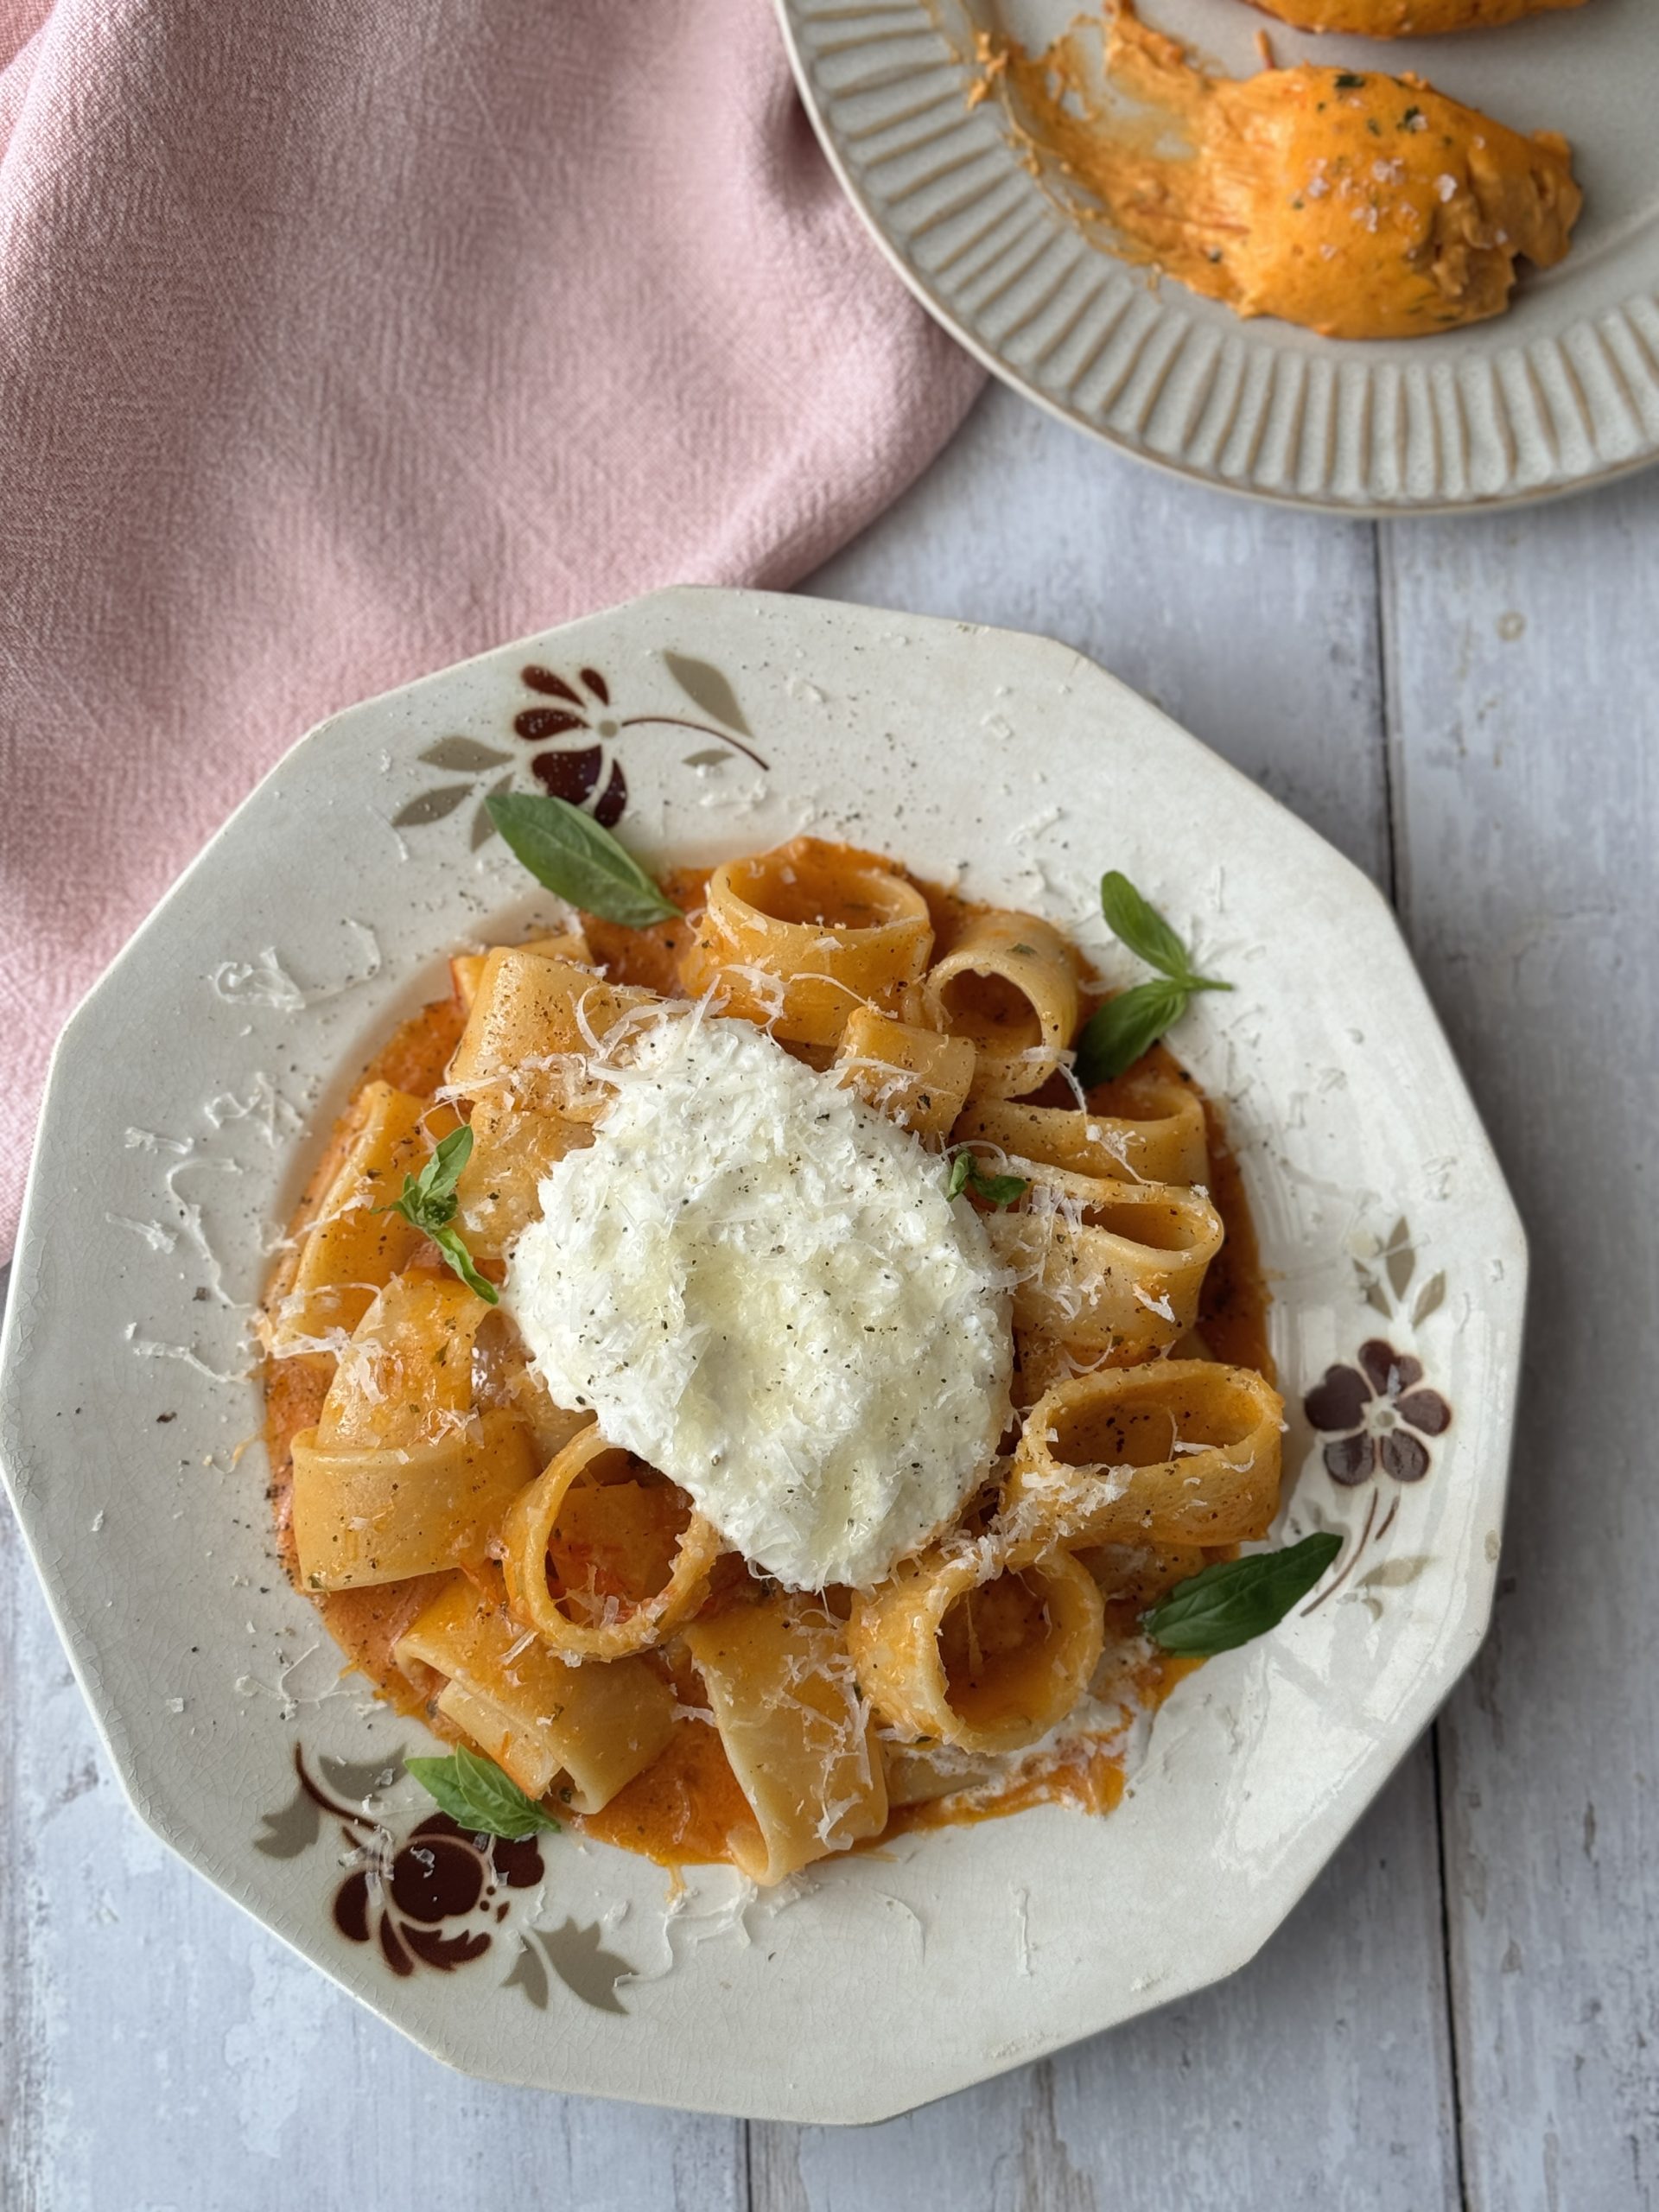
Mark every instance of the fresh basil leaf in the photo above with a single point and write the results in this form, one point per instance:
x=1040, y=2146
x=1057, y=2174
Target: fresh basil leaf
x=1230, y=1604
x=579, y=859
x=1116, y=1034
x=479, y=1798
x=449, y=1242
x=433, y=1190
x=998, y=1191
x=428, y=1200
x=428, y=1203
x=1140, y=925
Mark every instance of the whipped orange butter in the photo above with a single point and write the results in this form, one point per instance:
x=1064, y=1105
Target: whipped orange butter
x=1358, y=205
x=1405, y=18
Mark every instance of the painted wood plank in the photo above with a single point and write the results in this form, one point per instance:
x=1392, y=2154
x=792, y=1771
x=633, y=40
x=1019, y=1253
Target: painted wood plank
x=1524, y=664
x=159, y=2052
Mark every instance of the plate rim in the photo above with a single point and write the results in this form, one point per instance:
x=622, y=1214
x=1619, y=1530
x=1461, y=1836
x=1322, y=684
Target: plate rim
x=1015, y=380
x=1450, y=1657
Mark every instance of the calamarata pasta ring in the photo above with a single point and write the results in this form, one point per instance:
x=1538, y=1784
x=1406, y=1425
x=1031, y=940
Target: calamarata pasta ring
x=1162, y=1141
x=1005, y=1691
x=797, y=939
x=1009, y=985
x=1104, y=1263
x=527, y=1531
x=1181, y=1451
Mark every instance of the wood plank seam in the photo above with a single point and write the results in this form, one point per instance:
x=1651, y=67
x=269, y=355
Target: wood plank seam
x=1394, y=826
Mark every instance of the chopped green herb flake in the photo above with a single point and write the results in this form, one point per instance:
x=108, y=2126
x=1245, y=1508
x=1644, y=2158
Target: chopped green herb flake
x=998, y=1191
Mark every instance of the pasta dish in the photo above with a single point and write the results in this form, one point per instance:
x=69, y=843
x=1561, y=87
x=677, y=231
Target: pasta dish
x=775, y=1362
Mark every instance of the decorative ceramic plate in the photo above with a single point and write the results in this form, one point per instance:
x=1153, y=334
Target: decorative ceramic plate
x=173, y=1145
x=1562, y=391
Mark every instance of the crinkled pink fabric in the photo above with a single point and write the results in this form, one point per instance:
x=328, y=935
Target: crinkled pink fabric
x=340, y=338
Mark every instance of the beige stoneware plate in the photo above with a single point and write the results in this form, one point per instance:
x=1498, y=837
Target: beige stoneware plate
x=174, y=1143
x=1563, y=391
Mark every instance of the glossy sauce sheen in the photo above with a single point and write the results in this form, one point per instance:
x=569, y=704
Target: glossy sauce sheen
x=684, y=1808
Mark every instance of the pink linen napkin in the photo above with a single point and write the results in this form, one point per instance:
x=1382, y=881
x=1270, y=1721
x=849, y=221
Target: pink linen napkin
x=343, y=338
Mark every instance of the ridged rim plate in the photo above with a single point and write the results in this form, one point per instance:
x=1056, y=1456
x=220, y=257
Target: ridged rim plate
x=1559, y=393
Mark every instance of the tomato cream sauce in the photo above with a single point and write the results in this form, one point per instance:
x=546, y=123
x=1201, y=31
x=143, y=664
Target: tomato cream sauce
x=686, y=1805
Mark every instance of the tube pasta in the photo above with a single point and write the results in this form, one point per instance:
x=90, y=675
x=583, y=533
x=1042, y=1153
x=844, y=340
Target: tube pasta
x=1136, y=1575
x=800, y=1739
x=1164, y=1142
x=352, y=1246
x=467, y=968
x=535, y=1716
x=1103, y=1264
x=378, y=1513
x=797, y=938
x=531, y=1528
x=916, y=1076
x=981, y=1644
x=405, y=1379
x=1181, y=1452
x=531, y=1025
x=513, y=1147
x=1008, y=985
x=918, y=1774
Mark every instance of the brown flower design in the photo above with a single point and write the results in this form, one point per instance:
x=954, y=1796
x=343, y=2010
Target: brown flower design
x=1377, y=1415
x=440, y=1874
x=584, y=703
x=586, y=774
x=414, y=1898
x=572, y=772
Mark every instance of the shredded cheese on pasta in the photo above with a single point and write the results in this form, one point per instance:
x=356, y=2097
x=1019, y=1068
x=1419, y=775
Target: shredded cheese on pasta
x=761, y=1289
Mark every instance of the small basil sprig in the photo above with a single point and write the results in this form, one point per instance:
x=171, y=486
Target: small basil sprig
x=1240, y=1598
x=1117, y=1033
x=479, y=1798
x=428, y=1203
x=998, y=1191
x=579, y=859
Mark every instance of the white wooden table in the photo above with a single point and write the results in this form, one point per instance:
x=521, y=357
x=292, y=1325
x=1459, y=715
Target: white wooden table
x=1466, y=2012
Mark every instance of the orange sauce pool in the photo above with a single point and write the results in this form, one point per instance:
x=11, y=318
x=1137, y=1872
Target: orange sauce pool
x=685, y=1806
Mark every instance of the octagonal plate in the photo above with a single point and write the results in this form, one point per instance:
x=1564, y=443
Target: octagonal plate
x=173, y=1145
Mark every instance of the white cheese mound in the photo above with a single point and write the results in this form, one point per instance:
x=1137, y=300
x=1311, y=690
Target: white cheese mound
x=761, y=1289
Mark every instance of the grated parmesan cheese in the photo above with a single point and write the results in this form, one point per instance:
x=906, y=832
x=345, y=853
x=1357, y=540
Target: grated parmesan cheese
x=761, y=1289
